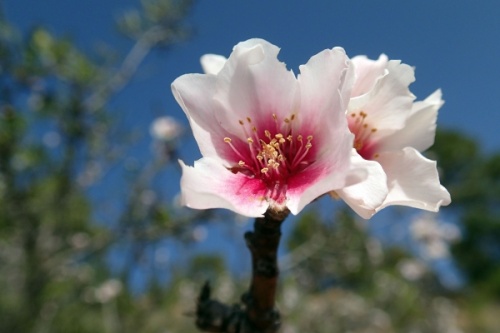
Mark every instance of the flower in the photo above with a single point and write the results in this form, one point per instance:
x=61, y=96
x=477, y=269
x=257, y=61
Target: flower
x=433, y=236
x=269, y=140
x=165, y=129
x=390, y=132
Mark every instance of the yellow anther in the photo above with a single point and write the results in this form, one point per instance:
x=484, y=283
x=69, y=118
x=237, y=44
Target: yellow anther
x=250, y=140
x=292, y=117
x=309, y=138
x=241, y=122
x=299, y=138
x=264, y=170
x=249, y=119
x=241, y=163
x=227, y=140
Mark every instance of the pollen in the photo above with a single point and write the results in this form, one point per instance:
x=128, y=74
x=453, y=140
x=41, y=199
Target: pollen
x=364, y=143
x=273, y=152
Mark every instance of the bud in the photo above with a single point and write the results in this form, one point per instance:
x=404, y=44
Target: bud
x=165, y=129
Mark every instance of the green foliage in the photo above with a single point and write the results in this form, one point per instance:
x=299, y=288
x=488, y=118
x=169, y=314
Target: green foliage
x=54, y=121
x=474, y=182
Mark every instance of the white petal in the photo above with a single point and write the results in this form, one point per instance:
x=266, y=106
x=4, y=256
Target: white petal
x=420, y=127
x=367, y=73
x=368, y=195
x=194, y=93
x=413, y=180
x=325, y=85
x=328, y=176
x=209, y=185
x=388, y=104
x=212, y=63
x=253, y=83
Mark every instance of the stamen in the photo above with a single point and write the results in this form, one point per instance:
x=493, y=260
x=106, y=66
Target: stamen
x=274, y=153
x=228, y=141
x=362, y=131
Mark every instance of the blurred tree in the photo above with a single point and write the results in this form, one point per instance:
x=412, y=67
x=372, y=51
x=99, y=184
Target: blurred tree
x=473, y=179
x=55, y=138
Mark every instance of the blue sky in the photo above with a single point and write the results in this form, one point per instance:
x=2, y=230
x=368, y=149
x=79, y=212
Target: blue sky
x=454, y=45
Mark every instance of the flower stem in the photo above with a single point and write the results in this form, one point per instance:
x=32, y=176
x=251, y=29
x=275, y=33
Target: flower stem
x=258, y=314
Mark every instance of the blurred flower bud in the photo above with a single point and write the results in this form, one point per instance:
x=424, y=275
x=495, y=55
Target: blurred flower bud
x=108, y=290
x=411, y=269
x=165, y=129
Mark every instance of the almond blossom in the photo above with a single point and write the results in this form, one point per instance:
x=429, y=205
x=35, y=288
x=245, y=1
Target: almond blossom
x=165, y=129
x=390, y=132
x=269, y=139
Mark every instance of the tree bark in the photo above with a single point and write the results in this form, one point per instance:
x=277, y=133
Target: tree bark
x=258, y=313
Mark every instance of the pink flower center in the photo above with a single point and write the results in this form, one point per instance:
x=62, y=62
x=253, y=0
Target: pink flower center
x=363, y=141
x=272, y=155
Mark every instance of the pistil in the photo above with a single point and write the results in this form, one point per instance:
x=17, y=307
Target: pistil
x=274, y=156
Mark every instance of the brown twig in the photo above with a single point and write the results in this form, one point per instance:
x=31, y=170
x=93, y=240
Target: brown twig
x=258, y=313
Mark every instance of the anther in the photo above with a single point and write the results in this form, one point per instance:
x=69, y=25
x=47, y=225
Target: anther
x=227, y=140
